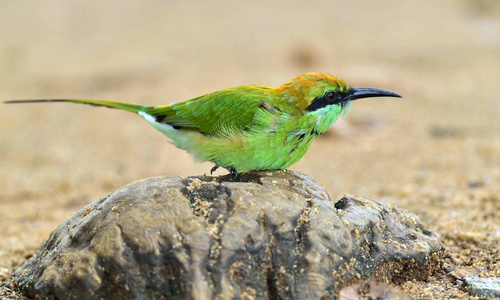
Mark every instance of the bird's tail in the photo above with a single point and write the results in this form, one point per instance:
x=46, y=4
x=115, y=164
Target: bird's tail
x=135, y=108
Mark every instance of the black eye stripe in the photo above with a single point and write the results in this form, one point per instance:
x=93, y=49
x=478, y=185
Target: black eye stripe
x=327, y=99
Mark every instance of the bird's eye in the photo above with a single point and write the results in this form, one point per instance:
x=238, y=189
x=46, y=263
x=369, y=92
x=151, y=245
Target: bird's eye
x=330, y=96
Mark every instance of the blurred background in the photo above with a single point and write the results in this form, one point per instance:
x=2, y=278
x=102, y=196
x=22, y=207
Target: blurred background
x=436, y=152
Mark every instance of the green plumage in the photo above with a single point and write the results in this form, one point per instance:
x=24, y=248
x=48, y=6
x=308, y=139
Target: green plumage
x=252, y=127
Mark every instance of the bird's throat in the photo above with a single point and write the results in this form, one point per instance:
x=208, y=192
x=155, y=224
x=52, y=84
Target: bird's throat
x=326, y=116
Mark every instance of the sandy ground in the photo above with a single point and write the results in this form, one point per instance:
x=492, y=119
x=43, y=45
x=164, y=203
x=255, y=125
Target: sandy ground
x=435, y=153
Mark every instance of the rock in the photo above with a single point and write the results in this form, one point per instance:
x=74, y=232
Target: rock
x=268, y=235
x=373, y=290
x=483, y=287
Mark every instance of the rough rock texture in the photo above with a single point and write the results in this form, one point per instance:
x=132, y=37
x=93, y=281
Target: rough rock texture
x=373, y=290
x=268, y=235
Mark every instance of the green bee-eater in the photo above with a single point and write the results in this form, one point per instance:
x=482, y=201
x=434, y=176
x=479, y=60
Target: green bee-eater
x=250, y=127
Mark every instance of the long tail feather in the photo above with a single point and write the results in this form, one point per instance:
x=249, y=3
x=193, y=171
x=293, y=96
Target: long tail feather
x=135, y=108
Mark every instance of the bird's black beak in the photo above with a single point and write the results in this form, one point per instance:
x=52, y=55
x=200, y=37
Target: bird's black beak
x=358, y=93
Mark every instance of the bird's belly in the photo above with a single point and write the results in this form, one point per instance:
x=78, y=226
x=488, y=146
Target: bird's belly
x=248, y=152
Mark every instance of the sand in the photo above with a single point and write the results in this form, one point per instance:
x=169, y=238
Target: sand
x=435, y=153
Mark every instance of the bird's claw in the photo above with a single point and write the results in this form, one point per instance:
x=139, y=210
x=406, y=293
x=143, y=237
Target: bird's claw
x=214, y=169
x=233, y=174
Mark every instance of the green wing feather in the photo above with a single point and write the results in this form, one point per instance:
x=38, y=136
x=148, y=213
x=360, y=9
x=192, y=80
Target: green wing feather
x=217, y=113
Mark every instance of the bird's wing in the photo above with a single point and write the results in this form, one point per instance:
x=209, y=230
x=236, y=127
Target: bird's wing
x=221, y=112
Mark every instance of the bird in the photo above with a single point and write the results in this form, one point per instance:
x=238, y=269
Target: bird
x=250, y=127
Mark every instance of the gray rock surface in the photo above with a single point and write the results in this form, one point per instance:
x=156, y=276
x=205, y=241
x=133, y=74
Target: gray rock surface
x=483, y=287
x=268, y=235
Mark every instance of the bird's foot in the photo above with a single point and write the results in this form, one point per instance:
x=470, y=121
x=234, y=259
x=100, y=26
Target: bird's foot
x=232, y=172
